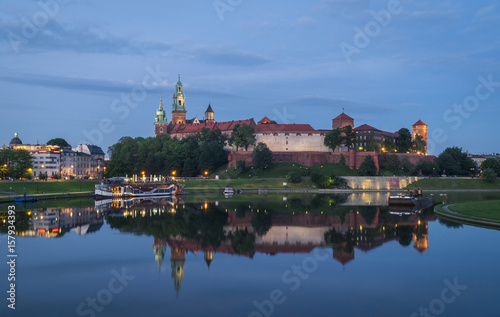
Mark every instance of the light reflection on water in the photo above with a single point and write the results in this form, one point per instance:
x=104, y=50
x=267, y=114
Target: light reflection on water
x=218, y=257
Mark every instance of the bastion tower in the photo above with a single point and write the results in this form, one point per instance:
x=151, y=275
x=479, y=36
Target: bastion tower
x=420, y=128
x=179, y=105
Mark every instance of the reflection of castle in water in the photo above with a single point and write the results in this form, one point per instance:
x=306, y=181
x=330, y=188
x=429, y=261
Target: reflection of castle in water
x=53, y=222
x=302, y=233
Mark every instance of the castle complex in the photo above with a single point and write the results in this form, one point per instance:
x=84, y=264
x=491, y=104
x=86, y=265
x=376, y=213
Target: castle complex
x=299, y=143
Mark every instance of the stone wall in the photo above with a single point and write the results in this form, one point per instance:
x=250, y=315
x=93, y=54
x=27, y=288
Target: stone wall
x=379, y=182
x=293, y=142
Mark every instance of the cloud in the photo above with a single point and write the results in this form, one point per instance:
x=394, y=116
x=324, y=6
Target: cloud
x=306, y=22
x=485, y=10
x=68, y=37
x=71, y=83
x=229, y=57
x=344, y=8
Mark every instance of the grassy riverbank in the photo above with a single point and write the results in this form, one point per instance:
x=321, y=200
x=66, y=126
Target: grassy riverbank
x=282, y=170
x=33, y=188
x=482, y=211
x=454, y=183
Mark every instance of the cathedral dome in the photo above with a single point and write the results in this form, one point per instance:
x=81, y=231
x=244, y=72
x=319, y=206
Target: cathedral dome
x=15, y=141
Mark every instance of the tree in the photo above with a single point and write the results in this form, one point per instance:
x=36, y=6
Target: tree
x=426, y=168
x=453, y=161
x=404, y=140
x=59, y=142
x=418, y=145
x=262, y=156
x=294, y=177
x=349, y=135
x=15, y=163
x=333, y=139
x=406, y=167
x=489, y=175
x=243, y=136
x=241, y=167
x=491, y=163
x=368, y=167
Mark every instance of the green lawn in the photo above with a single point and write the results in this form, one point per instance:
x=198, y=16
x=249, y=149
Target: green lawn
x=485, y=210
x=489, y=209
x=454, y=183
x=257, y=183
x=47, y=187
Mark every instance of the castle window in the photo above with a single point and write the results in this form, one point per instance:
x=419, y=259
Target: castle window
x=310, y=134
x=286, y=134
x=298, y=134
x=161, y=130
x=179, y=102
x=322, y=134
x=276, y=134
x=287, y=149
x=286, y=142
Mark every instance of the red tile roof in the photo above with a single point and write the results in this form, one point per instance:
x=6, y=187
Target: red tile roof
x=264, y=120
x=365, y=127
x=343, y=116
x=419, y=122
x=390, y=134
x=194, y=128
x=275, y=128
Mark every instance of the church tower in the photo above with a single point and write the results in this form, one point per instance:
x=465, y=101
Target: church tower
x=161, y=122
x=209, y=115
x=420, y=128
x=159, y=248
x=177, y=261
x=179, y=105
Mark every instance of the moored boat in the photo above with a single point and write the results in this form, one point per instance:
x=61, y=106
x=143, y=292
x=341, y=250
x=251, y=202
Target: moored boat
x=411, y=198
x=117, y=187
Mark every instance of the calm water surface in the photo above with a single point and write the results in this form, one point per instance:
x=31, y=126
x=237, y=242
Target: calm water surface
x=279, y=255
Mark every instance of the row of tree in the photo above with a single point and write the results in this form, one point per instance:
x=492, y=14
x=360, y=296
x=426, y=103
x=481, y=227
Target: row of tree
x=15, y=163
x=346, y=136
x=452, y=161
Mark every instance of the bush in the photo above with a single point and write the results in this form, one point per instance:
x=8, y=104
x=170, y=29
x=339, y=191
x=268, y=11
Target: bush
x=342, y=159
x=368, y=167
x=294, y=177
x=241, y=167
x=42, y=176
x=489, y=175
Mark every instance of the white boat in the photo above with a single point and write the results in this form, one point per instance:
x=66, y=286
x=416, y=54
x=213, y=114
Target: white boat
x=120, y=187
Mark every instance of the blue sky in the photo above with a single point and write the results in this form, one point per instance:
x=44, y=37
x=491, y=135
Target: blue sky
x=89, y=70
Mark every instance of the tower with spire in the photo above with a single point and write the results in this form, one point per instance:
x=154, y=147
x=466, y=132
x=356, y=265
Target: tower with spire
x=161, y=121
x=179, y=105
x=209, y=115
x=177, y=261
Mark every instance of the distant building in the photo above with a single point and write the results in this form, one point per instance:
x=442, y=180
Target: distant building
x=90, y=160
x=373, y=139
x=47, y=161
